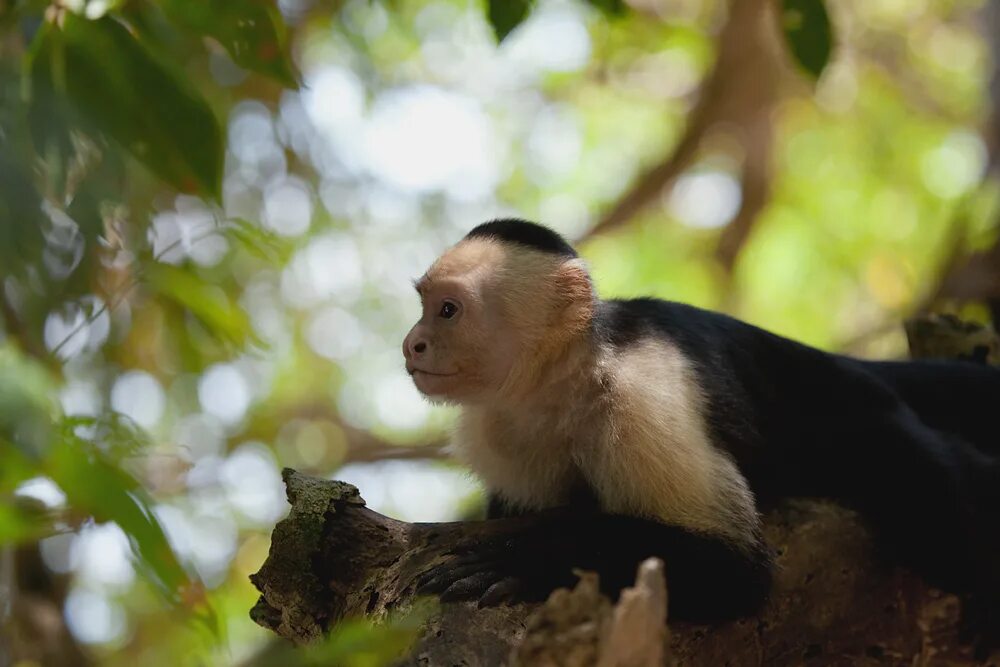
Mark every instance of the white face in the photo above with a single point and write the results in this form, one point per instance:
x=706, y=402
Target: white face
x=459, y=350
x=428, y=346
x=492, y=316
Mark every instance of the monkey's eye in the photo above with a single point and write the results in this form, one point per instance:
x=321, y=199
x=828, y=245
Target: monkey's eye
x=448, y=310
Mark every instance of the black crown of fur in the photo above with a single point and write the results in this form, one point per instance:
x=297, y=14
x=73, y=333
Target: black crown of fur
x=522, y=232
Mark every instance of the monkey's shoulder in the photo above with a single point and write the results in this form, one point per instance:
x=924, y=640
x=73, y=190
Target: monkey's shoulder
x=725, y=353
x=622, y=322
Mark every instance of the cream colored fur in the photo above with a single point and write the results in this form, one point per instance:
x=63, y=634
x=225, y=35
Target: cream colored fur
x=632, y=426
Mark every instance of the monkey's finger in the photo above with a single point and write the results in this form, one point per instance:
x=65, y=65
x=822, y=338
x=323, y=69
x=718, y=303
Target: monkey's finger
x=451, y=569
x=439, y=578
x=470, y=587
x=502, y=591
x=476, y=550
x=433, y=582
x=481, y=559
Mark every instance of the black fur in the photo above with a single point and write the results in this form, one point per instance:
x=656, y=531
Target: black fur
x=910, y=445
x=528, y=234
x=709, y=579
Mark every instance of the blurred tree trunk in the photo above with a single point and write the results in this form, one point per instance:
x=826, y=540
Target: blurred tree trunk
x=32, y=626
x=976, y=276
x=737, y=99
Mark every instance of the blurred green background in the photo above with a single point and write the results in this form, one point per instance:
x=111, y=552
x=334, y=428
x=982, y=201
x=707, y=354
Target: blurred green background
x=211, y=212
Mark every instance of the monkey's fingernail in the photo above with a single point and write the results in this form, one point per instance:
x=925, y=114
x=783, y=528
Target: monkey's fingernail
x=500, y=592
x=469, y=587
x=434, y=583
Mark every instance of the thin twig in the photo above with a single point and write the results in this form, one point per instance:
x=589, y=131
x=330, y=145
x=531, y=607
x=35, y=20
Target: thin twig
x=376, y=450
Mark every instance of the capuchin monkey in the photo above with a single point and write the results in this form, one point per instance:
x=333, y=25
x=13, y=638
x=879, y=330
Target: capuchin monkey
x=651, y=428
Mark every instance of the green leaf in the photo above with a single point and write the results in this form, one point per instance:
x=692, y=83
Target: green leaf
x=17, y=467
x=611, y=8
x=259, y=242
x=505, y=15
x=23, y=520
x=209, y=303
x=116, y=434
x=21, y=216
x=807, y=31
x=101, y=183
x=356, y=642
x=95, y=485
x=26, y=405
x=252, y=31
x=117, y=87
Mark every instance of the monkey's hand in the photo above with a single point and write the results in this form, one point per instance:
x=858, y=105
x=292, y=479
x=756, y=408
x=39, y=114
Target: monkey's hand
x=522, y=565
x=709, y=578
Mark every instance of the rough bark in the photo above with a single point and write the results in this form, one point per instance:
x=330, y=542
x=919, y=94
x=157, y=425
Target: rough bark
x=579, y=627
x=833, y=600
x=332, y=557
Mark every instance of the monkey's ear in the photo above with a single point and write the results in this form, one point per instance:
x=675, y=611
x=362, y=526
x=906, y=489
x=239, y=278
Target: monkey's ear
x=576, y=291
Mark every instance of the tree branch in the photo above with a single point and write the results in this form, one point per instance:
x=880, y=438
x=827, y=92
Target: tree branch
x=739, y=93
x=363, y=447
x=333, y=558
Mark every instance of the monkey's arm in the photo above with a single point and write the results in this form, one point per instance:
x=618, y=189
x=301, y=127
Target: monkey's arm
x=707, y=578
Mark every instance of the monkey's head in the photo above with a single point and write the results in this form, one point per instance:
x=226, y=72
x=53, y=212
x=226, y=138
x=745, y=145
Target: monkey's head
x=499, y=309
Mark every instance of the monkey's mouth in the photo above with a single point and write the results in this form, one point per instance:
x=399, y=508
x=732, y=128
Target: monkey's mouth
x=431, y=384
x=414, y=371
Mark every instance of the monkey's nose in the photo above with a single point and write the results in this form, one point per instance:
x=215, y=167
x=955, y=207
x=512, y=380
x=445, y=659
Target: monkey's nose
x=414, y=346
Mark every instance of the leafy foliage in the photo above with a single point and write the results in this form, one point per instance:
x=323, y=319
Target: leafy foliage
x=355, y=643
x=27, y=408
x=19, y=522
x=83, y=457
x=261, y=243
x=251, y=31
x=210, y=304
x=18, y=201
x=95, y=484
x=807, y=31
x=611, y=8
x=157, y=116
x=505, y=15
